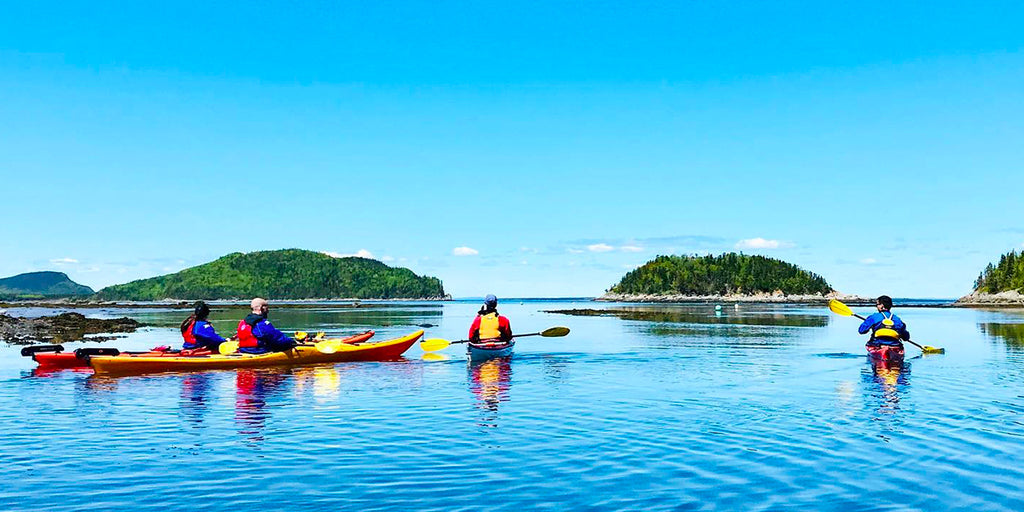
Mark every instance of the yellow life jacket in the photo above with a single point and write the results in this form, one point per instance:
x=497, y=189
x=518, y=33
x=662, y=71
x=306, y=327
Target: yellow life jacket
x=489, y=326
x=887, y=331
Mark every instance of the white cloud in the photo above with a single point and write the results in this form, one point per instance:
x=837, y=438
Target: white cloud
x=361, y=253
x=387, y=258
x=575, y=251
x=631, y=248
x=600, y=248
x=465, y=251
x=869, y=261
x=761, y=243
x=63, y=261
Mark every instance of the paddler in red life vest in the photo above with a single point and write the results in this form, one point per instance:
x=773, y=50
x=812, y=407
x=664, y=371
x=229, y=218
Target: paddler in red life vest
x=256, y=335
x=198, y=332
x=489, y=326
x=886, y=328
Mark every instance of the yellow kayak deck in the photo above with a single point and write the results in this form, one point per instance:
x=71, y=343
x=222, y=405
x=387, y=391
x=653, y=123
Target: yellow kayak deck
x=300, y=355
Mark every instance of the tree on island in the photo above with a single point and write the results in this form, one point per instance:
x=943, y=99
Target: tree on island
x=726, y=274
x=1007, y=275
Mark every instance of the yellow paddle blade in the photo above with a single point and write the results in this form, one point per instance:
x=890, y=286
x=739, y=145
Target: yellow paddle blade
x=301, y=335
x=555, y=332
x=328, y=346
x=434, y=344
x=839, y=308
x=927, y=349
x=228, y=347
x=433, y=356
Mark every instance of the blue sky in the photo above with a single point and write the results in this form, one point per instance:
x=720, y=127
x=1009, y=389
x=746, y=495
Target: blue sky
x=516, y=148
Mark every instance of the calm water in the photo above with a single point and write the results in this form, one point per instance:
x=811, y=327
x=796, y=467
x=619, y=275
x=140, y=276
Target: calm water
x=658, y=408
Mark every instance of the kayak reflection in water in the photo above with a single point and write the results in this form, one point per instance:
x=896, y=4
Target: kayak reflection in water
x=256, y=335
x=253, y=389
x=489, y=382
x=195, y=392
x=887, y=330
x=198, y=332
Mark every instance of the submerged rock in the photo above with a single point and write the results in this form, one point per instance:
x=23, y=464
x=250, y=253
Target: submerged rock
x=61, y=328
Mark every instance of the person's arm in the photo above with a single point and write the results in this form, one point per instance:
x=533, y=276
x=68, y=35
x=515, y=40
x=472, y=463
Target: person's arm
x=474, y=329
x=505, y=328
x=867, y=324
x=901, y=328
x=208, y=336
x=272, y=337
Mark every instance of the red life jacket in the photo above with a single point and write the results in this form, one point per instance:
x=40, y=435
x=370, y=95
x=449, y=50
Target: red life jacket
x=245, y=337
x=190, y=339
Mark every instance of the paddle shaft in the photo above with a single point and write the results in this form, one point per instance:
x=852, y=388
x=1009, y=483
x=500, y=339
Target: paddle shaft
x=514, y=336
x=914, y=343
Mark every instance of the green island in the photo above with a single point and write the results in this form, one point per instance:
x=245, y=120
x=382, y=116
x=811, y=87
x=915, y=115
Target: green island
x=999, y=284
x=729, y=275
x=281, y=274
x=41, y=285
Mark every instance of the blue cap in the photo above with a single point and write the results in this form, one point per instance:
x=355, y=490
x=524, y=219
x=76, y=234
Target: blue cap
x=490, y=300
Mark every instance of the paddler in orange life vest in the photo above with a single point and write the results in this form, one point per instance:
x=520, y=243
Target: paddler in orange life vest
x=256, y=335
x=197, y=331
x=886, y=328
x=489, y=326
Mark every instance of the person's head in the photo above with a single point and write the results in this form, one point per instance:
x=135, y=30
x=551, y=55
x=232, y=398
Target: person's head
x=883, y=303
x=259, y=306
x=490, y=302
x=202, y=311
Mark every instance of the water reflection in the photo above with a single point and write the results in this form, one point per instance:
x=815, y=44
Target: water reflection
x=489, y=381
x=254, y=388
x=325, y=381
x=885, y=387
x=195, y=396
x=1011, y=334
x=704, y=315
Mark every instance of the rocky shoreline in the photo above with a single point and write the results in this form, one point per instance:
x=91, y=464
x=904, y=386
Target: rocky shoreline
x=61, y=328
x=1011, y=298
x=761, y=298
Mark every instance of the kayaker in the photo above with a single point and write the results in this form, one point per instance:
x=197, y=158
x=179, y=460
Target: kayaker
x=489, y=325
x=256, y=335
x=885, y=327
x=198, y=332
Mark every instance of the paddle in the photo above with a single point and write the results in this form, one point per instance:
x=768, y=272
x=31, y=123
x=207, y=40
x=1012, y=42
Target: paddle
x=842, y=309
x=435, y=344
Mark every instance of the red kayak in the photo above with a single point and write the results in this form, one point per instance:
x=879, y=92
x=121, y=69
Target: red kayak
x=888, y=354
x=53, y=357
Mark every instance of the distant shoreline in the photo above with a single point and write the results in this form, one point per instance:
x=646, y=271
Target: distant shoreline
x=761, y=298
x=187, y=304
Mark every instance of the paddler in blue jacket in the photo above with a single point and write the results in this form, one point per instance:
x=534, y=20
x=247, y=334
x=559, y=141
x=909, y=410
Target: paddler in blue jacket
x=256, y=335
x=198, y=332
x=885, y=327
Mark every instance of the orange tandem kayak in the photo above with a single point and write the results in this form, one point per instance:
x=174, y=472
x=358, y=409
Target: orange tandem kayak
x=300, y=355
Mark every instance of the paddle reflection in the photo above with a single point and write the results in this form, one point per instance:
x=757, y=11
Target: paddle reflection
x=254, y=388
x=489, y=381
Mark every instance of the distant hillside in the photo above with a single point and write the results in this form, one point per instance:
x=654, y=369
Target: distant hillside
x=727, y=274
x=41, y=284
x=284, y=274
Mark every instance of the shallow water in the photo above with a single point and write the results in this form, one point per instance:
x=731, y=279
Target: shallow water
x=761, y=408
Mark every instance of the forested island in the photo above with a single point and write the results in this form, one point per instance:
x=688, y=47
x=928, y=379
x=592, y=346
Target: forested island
x=41, y=285
x=726, y=277
x=999, y=284
x=282, y=274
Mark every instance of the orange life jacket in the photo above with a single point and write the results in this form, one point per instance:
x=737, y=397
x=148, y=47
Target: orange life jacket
x=190, y=339
x=246, y=339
